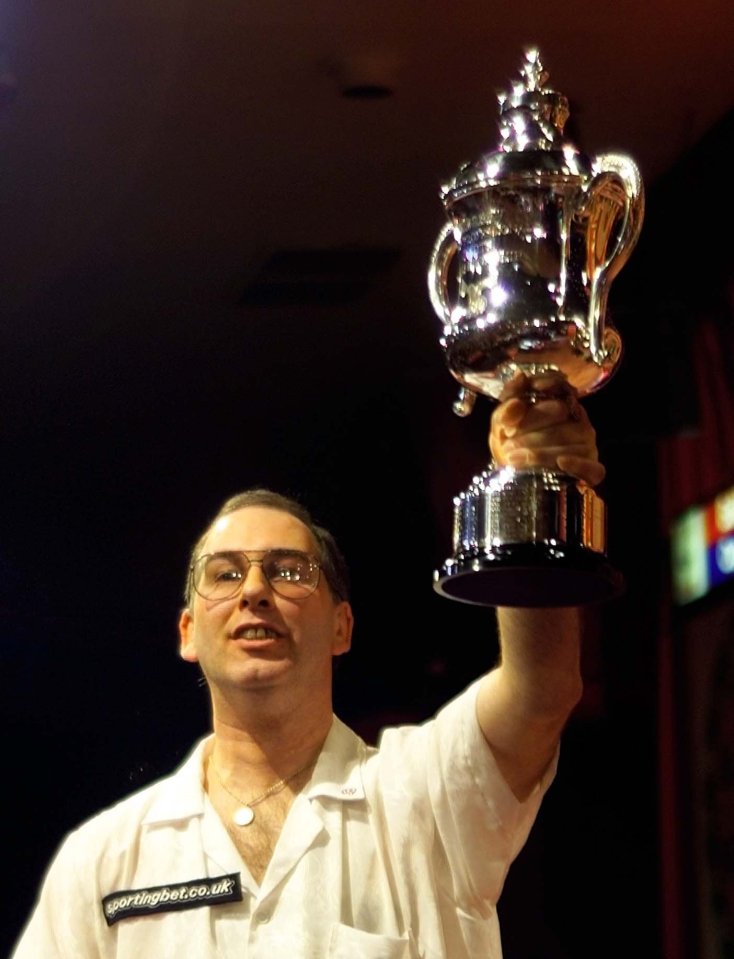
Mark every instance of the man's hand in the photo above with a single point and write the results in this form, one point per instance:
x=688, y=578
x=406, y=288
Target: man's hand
x=540, y=422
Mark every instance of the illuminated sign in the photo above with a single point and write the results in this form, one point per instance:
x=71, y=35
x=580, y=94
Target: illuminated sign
x=702, y=548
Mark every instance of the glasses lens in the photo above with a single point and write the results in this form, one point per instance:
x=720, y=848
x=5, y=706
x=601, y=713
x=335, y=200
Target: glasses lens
x=289, y=572
x=219, y=575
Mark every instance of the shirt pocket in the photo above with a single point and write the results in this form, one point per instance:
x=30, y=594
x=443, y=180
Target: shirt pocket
x=345, y=942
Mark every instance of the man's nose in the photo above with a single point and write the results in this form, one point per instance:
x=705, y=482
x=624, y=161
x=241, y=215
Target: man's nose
x=255, y=585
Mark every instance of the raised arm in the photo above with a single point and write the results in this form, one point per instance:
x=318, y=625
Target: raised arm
x=525, y=702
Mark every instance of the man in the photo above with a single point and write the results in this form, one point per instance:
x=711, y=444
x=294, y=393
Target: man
x=284, y=835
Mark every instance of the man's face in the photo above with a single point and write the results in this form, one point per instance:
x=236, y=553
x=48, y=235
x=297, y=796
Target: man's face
x=257, y=639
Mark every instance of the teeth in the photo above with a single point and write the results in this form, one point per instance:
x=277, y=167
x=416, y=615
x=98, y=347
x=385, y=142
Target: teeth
x=257, y=632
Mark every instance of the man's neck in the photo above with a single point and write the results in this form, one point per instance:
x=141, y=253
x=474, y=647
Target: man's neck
x=266, y=744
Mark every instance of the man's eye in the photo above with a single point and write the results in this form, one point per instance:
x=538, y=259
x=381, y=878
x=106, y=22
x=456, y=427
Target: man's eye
x=292, y=570
x=225, y=574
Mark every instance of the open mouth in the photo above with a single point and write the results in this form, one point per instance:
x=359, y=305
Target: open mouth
x=255, y=633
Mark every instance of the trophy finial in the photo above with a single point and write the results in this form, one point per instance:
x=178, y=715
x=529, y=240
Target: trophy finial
x=532, y=70
x=532, y=116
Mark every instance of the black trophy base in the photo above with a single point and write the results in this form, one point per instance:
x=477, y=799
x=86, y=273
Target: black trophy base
x=530, y=575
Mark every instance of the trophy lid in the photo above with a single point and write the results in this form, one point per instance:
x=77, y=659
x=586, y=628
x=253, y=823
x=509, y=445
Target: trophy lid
x=532, y=118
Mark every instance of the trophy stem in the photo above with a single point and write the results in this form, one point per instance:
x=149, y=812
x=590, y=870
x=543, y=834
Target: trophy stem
x=529, y=538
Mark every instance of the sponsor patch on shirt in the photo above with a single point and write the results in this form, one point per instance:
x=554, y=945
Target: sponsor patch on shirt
x=209, y=891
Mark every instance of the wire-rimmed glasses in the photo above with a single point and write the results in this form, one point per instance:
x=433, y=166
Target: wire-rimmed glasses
x=290, y=572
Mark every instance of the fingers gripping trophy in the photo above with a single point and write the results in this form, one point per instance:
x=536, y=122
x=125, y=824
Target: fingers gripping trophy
x=519, y=277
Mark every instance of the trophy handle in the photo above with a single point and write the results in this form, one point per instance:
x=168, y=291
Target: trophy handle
x=442, y=255
x=444, y=250
x=464, y=403
x=617, y=185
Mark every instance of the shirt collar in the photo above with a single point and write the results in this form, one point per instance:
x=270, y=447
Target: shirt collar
x=181, y=795
x=338, y=771
x=337, y=775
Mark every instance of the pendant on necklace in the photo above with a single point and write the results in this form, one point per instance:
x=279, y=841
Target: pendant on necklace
x=243, y=816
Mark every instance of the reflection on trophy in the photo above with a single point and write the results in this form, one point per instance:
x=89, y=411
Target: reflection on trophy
x=519, y=277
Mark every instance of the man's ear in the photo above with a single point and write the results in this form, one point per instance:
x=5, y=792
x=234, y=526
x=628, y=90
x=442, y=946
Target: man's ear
x=186, y=645
x=344, y=625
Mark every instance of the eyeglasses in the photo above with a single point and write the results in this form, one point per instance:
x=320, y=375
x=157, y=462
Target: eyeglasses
x=289, y=572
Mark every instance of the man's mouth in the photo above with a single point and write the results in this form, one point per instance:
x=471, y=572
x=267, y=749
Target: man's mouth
x=255, y=632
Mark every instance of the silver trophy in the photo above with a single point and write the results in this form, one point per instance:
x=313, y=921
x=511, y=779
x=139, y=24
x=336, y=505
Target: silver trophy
x=519, y=277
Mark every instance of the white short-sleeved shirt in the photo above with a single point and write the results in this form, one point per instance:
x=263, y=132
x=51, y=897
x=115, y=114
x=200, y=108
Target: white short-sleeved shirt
x=397, y=851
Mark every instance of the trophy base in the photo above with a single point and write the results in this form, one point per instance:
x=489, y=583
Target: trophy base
x=529, y=538
x=530, y=575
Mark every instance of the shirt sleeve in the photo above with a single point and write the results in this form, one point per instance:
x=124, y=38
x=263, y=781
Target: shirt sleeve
x=447, y=777
x=481, y=823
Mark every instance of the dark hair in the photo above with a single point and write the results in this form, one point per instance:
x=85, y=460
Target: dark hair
x=330, y=557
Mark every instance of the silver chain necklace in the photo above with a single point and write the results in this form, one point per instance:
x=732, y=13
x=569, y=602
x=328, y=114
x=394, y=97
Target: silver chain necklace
x=246, y=814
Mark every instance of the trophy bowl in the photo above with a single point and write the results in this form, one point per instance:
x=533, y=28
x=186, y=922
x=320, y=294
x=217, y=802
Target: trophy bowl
x=519, y=277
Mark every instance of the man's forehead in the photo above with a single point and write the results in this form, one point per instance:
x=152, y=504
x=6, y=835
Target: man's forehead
x=258, y=527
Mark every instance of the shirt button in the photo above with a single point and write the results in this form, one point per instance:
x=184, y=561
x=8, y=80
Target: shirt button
x=261, y=917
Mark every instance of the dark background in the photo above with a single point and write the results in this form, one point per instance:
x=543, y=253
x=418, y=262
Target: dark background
x=212, y=275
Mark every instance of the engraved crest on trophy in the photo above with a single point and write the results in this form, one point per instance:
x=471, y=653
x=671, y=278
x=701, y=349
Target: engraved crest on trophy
x=519, y=277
